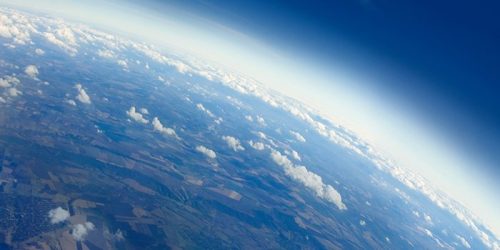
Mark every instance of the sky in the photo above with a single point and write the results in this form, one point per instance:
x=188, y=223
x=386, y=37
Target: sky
x=419, y=81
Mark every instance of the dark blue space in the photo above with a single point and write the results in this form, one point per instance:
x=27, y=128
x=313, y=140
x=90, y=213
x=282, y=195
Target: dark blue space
x=440, y=57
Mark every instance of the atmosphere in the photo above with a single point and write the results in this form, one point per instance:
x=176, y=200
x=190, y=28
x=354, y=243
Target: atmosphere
x=406, y=93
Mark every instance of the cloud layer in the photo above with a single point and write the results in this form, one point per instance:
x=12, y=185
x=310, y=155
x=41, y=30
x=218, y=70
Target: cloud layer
x=18, y=28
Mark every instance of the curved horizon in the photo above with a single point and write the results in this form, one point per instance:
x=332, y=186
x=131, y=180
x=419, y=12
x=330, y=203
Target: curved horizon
x=365, y=102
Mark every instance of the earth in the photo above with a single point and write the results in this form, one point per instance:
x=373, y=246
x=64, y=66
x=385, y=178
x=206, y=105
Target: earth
x=107, y=142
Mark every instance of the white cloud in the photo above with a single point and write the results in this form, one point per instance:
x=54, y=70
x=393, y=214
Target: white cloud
x=39, y=52
x=296, y=155
x=105, y=53
x=256, y=145
x=67, y=34
x=207, y=152
x=31, y=71
x=427, y=232
x=61, y=43
x=262, y=135
x=58, y=215
x=10, y=84
x=202, y=108
x=362, y=222
x=14, y=92
x=8, y=81
x=233, y=143
x=144, y=111
x=160, y=128
x=249, y=118
x=298, y=136
x=82, y=95
x=136, y=116
x=80, y=231
x=309, y=179
x=122, y=63
x=180, y=66
x=71, y=102
x=118, y=235
x=464, y=242
x=15, y=27
x=427, y=218
x=219, y=120
x=261, y=120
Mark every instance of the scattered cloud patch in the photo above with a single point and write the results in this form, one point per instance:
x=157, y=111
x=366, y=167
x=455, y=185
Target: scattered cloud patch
x=14, y=28
x=14, y=92
x=296, y=155
x=58, y=215
x=256, y=145
x=158, y=126
x=427, y=232
x=202, y=108
x=362, y=223
x=136, y=116
x=122, y=63
x=80, y=231
x=309, y=179
x=298, y=136
x=31, y=71
x=9, y=81
x=206, y=151
x=464, y=242
x=71, y=102
x=64, y=39
x=249, y=118
x=144, y=111
x=219, y=120
x=118, y=235
x=39, y=52
x=261, y=135
x=82, y=96
x=233, y=143
x=261, y=120
x=105, y=53
x=427, y=218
